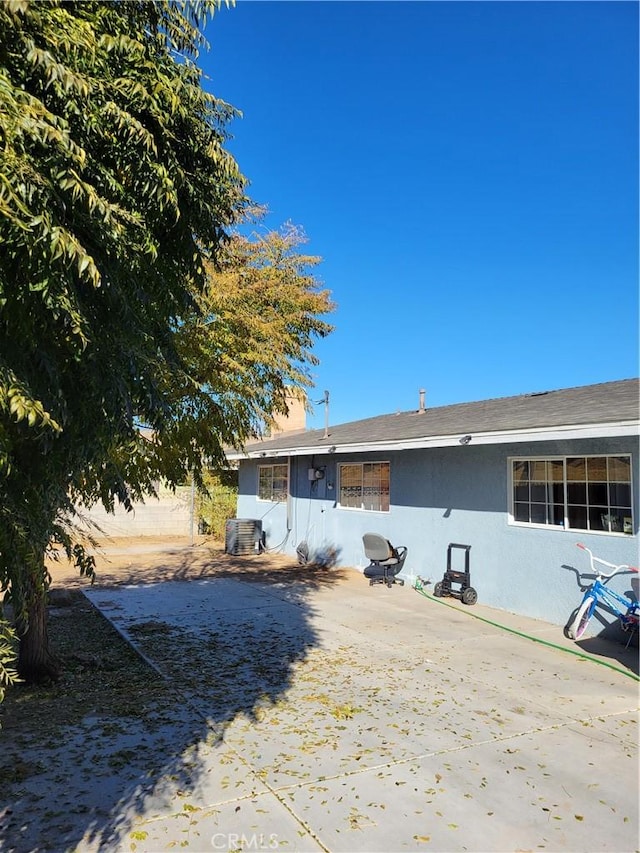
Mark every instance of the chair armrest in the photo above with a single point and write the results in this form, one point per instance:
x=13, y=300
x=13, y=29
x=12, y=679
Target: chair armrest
x=400, y=555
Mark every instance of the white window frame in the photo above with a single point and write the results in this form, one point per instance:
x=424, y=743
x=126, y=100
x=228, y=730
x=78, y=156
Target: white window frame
x=273, y=498
x=565, y=526
x=362, y=507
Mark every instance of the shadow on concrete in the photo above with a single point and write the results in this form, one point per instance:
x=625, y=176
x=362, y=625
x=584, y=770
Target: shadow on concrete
x=220, y=647
x=606, y=638
x=610, y=641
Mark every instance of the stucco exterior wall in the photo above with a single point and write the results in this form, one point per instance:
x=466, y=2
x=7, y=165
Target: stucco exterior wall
x=457, y=494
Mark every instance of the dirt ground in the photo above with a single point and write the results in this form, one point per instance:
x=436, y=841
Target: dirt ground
x=153, y=559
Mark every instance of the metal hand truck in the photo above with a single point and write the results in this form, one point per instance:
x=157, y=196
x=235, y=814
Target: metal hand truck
x=466, y=593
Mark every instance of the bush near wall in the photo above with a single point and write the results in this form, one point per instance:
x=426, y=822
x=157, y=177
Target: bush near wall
x=220, y=504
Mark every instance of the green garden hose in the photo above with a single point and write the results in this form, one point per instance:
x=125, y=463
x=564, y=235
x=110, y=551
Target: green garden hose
x=419, y=588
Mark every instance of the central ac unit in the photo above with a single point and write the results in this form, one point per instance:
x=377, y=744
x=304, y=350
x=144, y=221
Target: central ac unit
x=242, y=536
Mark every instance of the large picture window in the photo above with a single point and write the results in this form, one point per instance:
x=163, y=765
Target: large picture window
x=365, y=486
x=574, y=492
x=273, y=482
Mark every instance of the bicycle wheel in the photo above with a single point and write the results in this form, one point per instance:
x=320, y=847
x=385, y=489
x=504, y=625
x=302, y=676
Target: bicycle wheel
x=579, y=625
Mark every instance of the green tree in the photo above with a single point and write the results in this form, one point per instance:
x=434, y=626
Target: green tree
x=246, y=344
x=249, y=348
x=116, y=200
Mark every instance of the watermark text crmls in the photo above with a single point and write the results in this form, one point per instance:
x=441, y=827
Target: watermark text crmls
x=242, y=841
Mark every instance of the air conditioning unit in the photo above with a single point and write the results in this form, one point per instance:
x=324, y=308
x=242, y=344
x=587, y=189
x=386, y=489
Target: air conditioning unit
x=315, y=473
x=242, y=536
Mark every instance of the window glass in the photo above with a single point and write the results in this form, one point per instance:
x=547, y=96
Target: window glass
x=598, y=519
x=280, y=482
x=521, y=492
x=538, y=514
x=597, y=468
x=620, y=494
x=538, y=492
x=365, y=486
x=556, y=470
x=597, y=494
x=273, y=482
x=577, y=517
x=576, y=470
x=620, y=469
x=265, y=482
x=579, y=493
x=520, y=472
x=558, y=514
x=521, y=512
x=538, y=470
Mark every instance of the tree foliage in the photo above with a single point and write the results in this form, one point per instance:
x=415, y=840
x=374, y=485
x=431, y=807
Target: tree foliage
x=117, y=198
x=245, y=345
x=8, y=675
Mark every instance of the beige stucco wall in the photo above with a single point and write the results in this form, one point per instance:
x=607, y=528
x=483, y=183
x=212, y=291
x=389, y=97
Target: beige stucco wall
x=295, y=421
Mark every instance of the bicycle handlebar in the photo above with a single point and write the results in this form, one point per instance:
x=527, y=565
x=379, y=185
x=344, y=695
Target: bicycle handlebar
x=604, y=563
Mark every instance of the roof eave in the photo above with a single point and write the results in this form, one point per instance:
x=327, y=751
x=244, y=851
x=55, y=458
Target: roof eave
x=572, y=431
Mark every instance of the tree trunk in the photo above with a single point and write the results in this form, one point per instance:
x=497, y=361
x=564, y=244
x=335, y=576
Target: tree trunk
x=36, y=664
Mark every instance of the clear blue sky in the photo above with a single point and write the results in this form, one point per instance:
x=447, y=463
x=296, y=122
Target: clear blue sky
x=468, y=172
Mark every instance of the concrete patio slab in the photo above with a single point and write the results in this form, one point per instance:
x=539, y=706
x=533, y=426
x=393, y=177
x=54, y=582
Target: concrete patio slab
x=343, y=717
x=400, y=725
x=505, y=796
x=209, y=829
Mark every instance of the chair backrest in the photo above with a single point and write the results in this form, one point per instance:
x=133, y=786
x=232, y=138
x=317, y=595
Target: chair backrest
x=376, y=547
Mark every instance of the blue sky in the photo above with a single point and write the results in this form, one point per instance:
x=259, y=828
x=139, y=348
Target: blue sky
x=468, y=172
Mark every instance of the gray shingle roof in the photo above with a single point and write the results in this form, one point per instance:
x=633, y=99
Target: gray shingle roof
x=608, y=402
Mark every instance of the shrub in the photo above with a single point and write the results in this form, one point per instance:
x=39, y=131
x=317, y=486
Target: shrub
x=219, y=504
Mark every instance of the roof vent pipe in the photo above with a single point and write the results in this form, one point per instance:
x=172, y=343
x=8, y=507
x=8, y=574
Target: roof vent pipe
x=422, y=393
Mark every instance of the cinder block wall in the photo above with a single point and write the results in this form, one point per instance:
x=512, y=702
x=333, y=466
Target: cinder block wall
x=167, y=515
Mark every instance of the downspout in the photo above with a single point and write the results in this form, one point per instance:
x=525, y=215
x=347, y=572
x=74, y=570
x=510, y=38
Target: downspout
x=290, y=466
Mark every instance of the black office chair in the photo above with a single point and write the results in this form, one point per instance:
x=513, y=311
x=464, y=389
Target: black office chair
x=385, y=561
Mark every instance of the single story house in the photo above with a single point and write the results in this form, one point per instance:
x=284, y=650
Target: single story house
x=519, y=479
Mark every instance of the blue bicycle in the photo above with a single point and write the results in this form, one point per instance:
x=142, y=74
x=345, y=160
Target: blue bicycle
x=600, y=592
